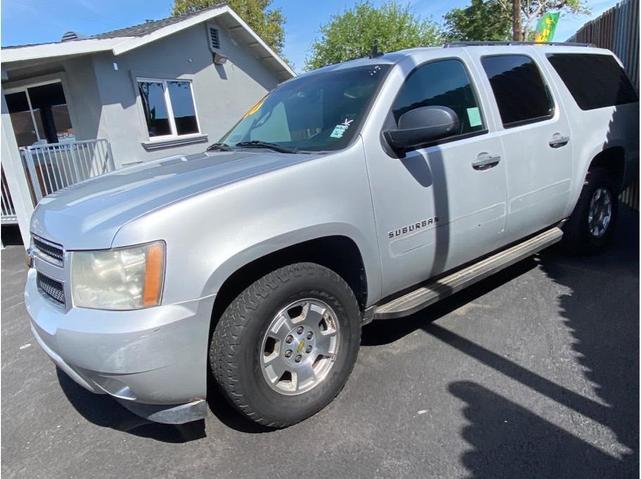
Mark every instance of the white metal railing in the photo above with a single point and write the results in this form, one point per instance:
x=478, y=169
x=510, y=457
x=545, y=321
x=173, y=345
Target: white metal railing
x=54, y=166
x=8, y=210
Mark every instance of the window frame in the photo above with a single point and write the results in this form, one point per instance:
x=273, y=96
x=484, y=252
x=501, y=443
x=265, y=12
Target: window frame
x=170, y=109
x=548, y=90
x=475, y=91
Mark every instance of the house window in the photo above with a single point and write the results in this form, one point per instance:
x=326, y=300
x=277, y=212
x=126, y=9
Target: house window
x=169, y=107
x=39, y=114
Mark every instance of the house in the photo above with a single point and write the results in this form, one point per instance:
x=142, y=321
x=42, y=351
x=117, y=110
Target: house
x=85, y=106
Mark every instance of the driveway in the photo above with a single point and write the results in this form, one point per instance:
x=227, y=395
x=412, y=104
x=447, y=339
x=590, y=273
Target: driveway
x=532, y=373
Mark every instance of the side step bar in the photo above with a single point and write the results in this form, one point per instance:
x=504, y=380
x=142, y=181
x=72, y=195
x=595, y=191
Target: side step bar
x=434, y=291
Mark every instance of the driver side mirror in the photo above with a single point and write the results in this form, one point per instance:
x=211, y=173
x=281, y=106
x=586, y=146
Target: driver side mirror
x=421, y=126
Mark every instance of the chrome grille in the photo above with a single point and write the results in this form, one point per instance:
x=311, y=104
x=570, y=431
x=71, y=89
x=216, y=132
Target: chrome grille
x=51, y=288
x=49, y=249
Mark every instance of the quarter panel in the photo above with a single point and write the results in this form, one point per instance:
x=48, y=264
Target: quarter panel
x=596, y=130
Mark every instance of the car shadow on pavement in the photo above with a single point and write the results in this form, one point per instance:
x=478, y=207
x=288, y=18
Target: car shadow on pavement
x=104, y=411
x=509, y=441
x=600, y=312
x=387, y=331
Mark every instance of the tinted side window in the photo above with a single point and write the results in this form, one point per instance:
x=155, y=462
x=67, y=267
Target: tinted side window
x=519, y=89
x=442, y=83
x=595, y=81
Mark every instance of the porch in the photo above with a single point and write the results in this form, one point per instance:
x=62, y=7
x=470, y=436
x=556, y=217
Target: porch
x=48, y=142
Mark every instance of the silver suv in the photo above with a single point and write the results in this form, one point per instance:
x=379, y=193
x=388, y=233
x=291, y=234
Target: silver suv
x=361, y=191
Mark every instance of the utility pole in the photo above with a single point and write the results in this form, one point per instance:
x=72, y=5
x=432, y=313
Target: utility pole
x=516, y=20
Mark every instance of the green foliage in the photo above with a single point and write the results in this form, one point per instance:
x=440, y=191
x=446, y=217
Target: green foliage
x=353, y=33
x=267, y=23
x=483, y=20
x=492, y=19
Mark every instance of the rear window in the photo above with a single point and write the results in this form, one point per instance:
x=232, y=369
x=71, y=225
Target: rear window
x=595, y=81
x=521, y=94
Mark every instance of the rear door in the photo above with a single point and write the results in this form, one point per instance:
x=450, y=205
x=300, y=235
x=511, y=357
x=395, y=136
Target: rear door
x=536, y=140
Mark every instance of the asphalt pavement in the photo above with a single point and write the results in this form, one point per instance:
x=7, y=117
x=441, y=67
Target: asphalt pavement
x=531, y=373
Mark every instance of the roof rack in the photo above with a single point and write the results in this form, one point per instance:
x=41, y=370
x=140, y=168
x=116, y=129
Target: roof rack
x=512, y=42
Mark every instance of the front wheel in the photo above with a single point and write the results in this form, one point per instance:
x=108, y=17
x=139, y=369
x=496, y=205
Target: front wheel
x=285, y=347
x=589, y=228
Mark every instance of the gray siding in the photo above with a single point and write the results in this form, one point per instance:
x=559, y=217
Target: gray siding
x=221, y=93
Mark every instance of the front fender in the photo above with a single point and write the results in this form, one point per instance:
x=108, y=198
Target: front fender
x=211, y=235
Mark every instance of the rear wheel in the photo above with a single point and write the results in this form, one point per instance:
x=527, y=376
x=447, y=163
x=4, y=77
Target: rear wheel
x=589, y=228
x=285, y=347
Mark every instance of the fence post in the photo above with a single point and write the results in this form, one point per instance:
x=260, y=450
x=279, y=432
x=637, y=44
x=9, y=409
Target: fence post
x=35, y=181
x=110, y=155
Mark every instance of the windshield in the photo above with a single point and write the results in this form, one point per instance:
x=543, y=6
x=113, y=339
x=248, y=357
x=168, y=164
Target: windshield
x=315, y=113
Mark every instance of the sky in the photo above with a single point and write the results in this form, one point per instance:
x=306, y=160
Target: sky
x=37, y=21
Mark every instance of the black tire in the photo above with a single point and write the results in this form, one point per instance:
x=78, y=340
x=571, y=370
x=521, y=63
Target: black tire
x=237, y=340
x=577, y=237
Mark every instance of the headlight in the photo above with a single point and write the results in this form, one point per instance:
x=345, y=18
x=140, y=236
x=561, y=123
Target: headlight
x=123, y=278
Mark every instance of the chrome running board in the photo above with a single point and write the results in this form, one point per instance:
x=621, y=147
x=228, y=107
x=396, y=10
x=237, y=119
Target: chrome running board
x=434, y=291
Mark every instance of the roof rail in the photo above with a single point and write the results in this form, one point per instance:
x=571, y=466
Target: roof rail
x=512, y=42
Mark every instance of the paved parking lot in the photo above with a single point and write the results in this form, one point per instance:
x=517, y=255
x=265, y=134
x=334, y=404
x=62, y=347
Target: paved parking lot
x=533, y=373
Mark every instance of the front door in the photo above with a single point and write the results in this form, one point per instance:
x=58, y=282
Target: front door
x=536, y=143
x=442, y=205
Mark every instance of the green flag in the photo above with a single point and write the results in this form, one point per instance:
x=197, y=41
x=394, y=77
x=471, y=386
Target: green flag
x=546, y=27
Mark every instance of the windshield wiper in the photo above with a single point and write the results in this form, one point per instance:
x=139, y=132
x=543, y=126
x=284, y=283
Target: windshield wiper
x=219, y=146
x=265, y=144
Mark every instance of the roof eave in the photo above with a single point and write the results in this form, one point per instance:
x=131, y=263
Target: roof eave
x=63, y=49
x=163, y=32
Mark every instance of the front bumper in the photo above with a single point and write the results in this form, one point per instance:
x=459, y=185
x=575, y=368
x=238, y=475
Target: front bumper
x=153, y=361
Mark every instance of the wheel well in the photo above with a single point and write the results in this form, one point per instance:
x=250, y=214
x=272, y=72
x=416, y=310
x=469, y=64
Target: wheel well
x=611, y=160
x=337, y=253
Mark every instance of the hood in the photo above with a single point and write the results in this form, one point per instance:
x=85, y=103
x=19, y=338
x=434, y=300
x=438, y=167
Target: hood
x=89, y=214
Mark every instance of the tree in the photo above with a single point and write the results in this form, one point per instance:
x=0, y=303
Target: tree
x=483, y=20
x=487, y=19
x=354, y=33
x=267, y=23
x=532, y=10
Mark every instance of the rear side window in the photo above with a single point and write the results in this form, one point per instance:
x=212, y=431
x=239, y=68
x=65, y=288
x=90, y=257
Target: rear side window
x=441, y=83
x=595, y=81
x=521, y=94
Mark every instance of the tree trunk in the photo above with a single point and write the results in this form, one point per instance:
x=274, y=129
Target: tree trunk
x=516, y=21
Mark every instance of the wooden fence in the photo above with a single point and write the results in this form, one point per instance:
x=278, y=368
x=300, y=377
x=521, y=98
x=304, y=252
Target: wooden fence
x=617, y=29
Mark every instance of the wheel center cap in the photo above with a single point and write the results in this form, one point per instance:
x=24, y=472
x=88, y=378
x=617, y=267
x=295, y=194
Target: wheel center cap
x=301, y=346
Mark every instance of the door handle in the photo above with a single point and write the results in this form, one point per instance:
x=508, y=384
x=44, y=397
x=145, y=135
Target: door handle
x=559, y=140
x=485, y=161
